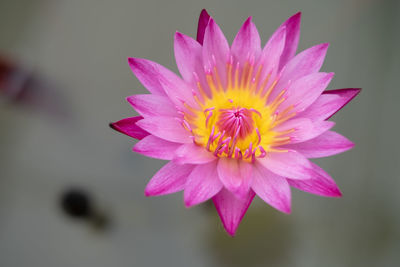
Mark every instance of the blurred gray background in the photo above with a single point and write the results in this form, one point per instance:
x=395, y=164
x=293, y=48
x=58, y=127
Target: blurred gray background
x=76, y=51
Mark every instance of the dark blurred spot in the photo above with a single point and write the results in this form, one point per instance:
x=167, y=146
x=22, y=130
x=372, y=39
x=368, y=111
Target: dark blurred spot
x=77, y=203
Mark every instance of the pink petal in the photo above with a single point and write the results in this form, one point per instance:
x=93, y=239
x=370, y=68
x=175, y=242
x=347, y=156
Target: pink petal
x=152, y=105
x=203, y=21
x=202, y=184
x=292, y=26
x=271, y=188
x=188, y=55
x=147, y=72
x=215, y=50
x=304, y=129
x=189, y=59
x=271, y=54
x=235, y=175
x=329, y=103
x=327, y=144
x=320, y=184
x=247, y=43
x=166, y=128
x=155, y=147
x=128, y=126
x=193, y=154
x=307, y=62
x=289, y=164
x=153, y=75
x=231, y=209
x=304, y=91
x=169, y=179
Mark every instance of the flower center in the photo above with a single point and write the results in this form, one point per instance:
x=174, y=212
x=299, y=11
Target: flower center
x=236, y=122
x=236, y=116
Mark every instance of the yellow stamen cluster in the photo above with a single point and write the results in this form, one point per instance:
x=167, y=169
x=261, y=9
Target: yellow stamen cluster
x=237, y=120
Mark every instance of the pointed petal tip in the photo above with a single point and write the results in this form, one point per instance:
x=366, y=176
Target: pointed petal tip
x=249, y=19
x=112, y=126
x=148, y=192
x=354, y=91
x=211, y=22
x=337, y=193
x=231, y=233
x=297, y=15
x=286, y=210
x=178, y=34
x=295, y=18
x=204, y=13
x=130, y=99
x=187, y=204
x=325, y=45
x=131, y=60
x=202, y=24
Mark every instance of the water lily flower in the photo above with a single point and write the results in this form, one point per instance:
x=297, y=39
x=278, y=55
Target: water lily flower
x=240, y=121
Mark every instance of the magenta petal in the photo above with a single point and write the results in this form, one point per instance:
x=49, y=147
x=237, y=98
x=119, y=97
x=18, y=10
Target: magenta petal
x=319, y=184
x=188, y=55
x=203, y=21
x=128, y=126
x=271, y=188
x=153, y=75
x=202, y=184
x=327, y=144
x=231, y=209
x=304, y=91
x=147, y=72
x=247, y=43
x=292, y=26
x=271, y=54
x=193, y=154
x=307, y=62
x=169, y=179
x=155, y=147
x=167, y=128
x=329, y=103
x=189, y=59
x=304, y=129
x=215, y=50
x=152, y=105
x=235, y=175
x=289, y=164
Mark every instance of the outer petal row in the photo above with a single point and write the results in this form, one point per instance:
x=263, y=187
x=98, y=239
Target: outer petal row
x=202, y=182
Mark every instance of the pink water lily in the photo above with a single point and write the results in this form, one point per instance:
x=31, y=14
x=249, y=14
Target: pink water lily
x=241, y=120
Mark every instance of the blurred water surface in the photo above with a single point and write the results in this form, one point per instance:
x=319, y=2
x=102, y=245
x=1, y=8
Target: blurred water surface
x=75, y=53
